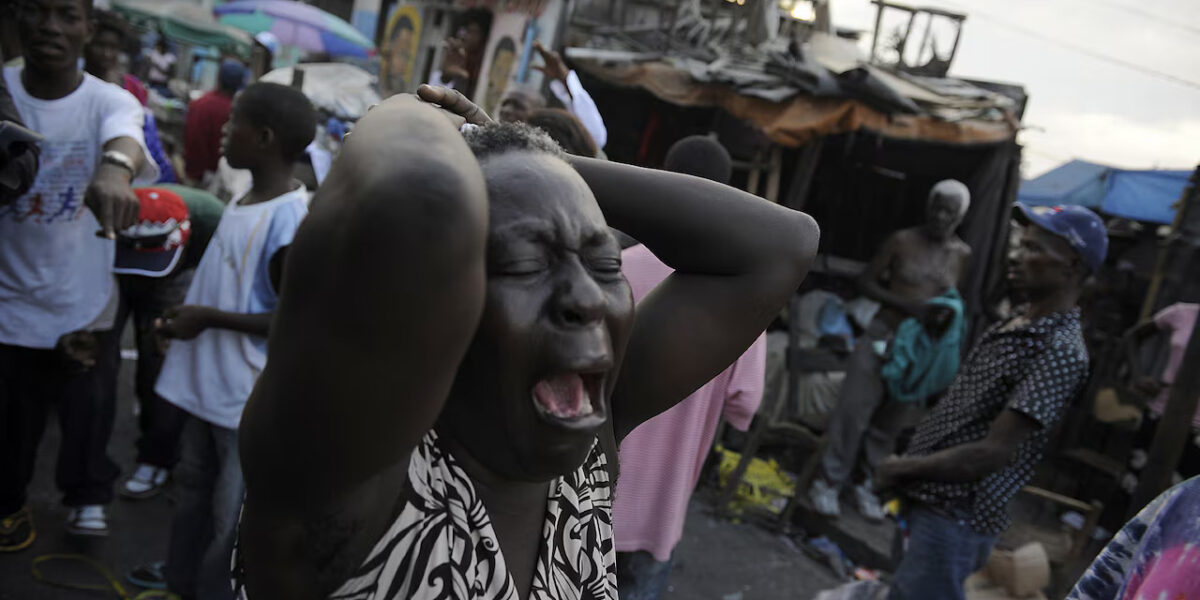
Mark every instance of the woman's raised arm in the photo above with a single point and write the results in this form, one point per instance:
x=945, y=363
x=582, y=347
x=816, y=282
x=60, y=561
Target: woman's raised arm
x=382, y=291
x=737, y=260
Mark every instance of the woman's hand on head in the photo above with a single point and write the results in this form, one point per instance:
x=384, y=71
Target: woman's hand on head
x=457, y=107
x=452, y=105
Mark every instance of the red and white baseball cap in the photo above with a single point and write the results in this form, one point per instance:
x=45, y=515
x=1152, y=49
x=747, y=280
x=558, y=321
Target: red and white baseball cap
x=153, y=245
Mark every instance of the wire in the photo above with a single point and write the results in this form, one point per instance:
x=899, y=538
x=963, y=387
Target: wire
x=1081, y=49
x=1147, y=15
x=111, y=584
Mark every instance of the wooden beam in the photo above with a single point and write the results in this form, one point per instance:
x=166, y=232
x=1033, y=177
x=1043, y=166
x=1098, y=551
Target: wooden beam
x=1067, y=501
x=875, y=36
x=774, y=172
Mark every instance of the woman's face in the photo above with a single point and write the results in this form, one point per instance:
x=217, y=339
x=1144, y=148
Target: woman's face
x=533, y=390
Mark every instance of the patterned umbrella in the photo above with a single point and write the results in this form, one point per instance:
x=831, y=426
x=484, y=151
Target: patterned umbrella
x=185, y=22
x=296, y=24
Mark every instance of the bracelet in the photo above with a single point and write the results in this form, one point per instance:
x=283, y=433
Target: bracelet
x=119, y=159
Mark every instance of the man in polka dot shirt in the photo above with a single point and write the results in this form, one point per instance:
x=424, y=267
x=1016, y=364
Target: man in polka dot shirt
x=977, y=447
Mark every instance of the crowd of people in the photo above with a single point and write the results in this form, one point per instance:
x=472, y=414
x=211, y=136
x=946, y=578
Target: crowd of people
x=498, y=361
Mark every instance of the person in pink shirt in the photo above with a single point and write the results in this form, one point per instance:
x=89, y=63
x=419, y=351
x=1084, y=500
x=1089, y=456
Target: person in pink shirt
x=661, y=459
x=1176, y=321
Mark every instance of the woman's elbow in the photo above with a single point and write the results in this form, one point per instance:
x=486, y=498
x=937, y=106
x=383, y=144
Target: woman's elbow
x=797, y=245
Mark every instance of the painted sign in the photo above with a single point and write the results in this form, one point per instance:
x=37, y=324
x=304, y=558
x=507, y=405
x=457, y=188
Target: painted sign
x=398, y=52
x=499, y=59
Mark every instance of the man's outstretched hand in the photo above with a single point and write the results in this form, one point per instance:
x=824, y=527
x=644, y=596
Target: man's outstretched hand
x=554, y=67
x=454, y=103
x=110, y=198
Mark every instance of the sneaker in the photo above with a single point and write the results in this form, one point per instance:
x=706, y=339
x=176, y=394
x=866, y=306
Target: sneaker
x=88, y=520
x=824, y=498
x=16, y=530
x=147, y=481
x=149, y=576
x=868, y=503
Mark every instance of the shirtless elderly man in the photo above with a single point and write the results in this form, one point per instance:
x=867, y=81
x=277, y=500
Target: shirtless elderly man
x=913, y=266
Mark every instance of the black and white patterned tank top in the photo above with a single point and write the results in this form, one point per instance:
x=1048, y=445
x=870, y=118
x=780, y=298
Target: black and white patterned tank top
x=443, y=546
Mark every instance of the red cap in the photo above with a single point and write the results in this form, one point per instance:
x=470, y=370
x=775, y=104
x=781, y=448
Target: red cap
x=153, y=245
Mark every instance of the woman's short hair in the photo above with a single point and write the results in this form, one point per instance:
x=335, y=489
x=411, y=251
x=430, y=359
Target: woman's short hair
x=501, y=138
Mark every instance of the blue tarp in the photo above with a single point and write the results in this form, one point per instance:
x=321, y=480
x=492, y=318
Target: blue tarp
x=1139, y=195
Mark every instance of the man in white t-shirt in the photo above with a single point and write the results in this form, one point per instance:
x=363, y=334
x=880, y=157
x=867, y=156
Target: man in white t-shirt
x=56, y=261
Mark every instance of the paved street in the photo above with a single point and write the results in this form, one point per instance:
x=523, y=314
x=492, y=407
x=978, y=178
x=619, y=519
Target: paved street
x=139, y=529
x=716, y=559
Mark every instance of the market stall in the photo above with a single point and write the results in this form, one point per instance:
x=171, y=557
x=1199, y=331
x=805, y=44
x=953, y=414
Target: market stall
x=1142, y=195
x=854, y=144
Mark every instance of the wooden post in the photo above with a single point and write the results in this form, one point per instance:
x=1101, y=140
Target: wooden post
x=1174, y=428
x=774, y=172
x=1164, y=252
x=879, y=7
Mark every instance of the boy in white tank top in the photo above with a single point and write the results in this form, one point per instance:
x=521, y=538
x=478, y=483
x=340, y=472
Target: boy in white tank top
x=220, y=333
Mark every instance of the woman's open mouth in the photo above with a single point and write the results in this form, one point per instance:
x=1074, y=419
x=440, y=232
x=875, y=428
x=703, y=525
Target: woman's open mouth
x=571, y=400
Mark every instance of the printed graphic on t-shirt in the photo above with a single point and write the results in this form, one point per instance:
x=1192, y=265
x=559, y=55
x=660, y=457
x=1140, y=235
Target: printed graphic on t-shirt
x=57, y=196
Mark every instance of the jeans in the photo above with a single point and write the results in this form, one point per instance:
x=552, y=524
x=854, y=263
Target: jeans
x=864, y=425
x=209, y=480
x=161, y=423
x=942, y=553
x=640, y=576
x=31, y=380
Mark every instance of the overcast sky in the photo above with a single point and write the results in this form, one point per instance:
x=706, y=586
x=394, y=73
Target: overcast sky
x=1082, y=107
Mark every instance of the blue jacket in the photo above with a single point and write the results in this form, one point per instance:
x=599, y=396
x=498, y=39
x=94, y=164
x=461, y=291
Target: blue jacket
x=919, y=367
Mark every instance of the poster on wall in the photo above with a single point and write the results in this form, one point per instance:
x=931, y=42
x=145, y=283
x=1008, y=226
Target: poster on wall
x=500, y=59
x=398, y=51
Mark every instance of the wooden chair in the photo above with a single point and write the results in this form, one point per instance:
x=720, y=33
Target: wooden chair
x=771, y=425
